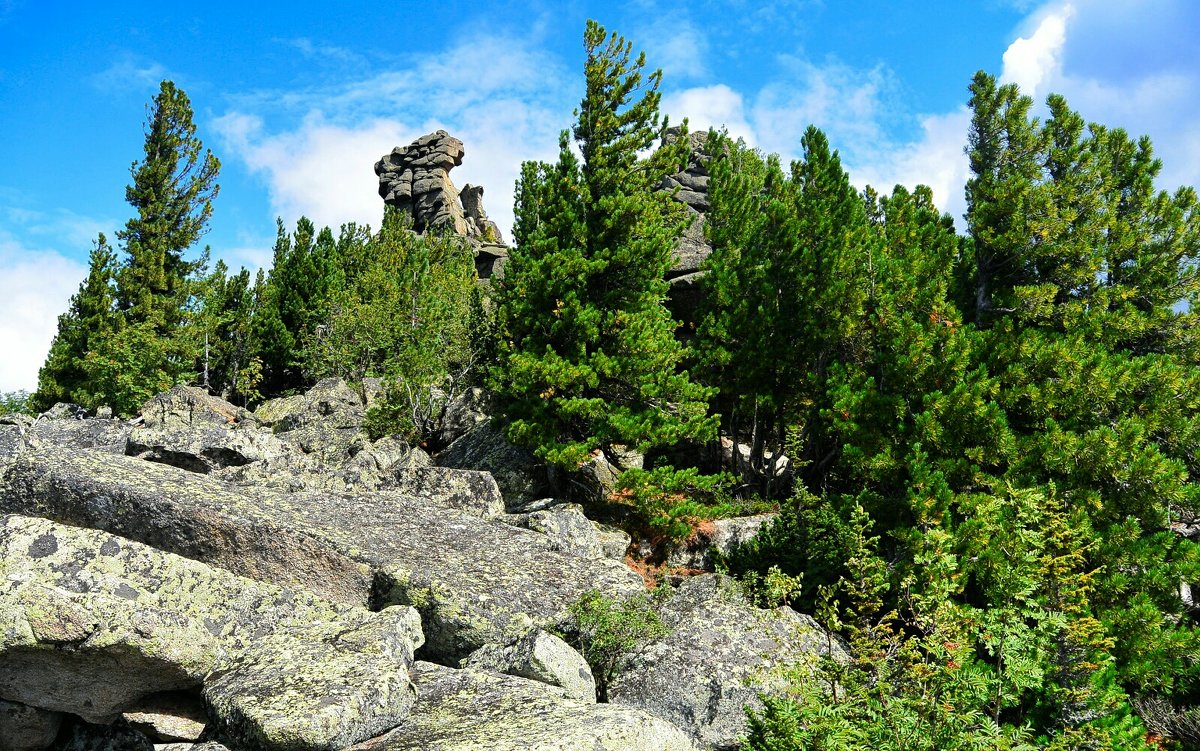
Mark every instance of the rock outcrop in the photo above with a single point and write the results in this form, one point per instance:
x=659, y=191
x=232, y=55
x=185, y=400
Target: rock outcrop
x=539, y=656
x=416, y=180
x=689, y=186
x=475, y=582
x=716, y=539
x=718, y=655
x=521, y=475
x=208, y=579
x=467, y=710
x=93, y=625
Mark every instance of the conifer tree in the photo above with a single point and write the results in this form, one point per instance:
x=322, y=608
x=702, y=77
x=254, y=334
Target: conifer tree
x=308, y=267
x=588, y=353
x=172, y=191
x=86, y=324
x=1090, y=340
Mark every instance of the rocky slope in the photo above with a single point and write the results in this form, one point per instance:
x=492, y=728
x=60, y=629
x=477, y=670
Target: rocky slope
x=207, y=577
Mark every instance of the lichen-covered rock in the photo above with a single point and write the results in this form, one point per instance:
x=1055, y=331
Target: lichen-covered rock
x=94, y=625
x=520, y=475
x=570, y=531
x=460, y=416
x=469, y=491
x=715, y=539
x=189, y=406
x=12, y=440
x=720, y=653
x=320, y=686
x=105, y=434
x=467, y=710
x=539, y=656
x=595, y=481
x=247, y=532
x=172, y=717
x=474, y=582
x=116, y=736
x=25, y=728
x=203, y=448
x=371, y=468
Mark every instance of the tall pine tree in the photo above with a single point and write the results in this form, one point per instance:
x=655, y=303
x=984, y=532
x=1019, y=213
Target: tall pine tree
x=1089, y=286
x=173, y=188
x=589, y=358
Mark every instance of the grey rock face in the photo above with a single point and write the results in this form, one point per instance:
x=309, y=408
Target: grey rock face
x=203, y=448
x=689, y=187
x=462, y=414
x=719, y=655
x=117, y=736
x=715, y=539
x=416, y=180
x=320, y=686
x=188, y=428
x=466, y=710
x=188, y=406
x=570, y=531
x=473, y=581
x=172, y=717
x=478, y=224
x=539, y=656
x=520, y=475
x=105, y=434
x=95, y=625
x=25, y=728
x=469, y=491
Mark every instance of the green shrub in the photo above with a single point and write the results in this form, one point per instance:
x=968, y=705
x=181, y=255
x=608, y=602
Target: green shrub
x=607, y=632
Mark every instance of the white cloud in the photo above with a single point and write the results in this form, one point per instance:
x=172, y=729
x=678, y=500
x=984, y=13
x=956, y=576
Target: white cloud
x=710, y=107
x=503, y=99
x=319, y=170
x=1123, y=64
x=35, y=287
x=937, y=159
x=129, y=73
x=845, y=102
x=1030, y=61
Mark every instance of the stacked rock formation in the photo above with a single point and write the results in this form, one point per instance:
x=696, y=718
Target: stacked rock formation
x=690, y=187
x=416, y=180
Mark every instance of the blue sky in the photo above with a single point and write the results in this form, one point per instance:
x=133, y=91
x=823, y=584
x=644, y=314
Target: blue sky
x=299, y=100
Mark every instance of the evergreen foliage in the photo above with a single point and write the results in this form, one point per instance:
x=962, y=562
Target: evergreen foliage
x=588, y=357
x=608, y=632
x=407, y=316
x=172, y=191
x=89, y=320
x=1090, y=338
x=307, y=268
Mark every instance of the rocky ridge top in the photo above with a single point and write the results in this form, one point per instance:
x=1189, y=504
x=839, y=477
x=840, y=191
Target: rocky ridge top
x=205, y=578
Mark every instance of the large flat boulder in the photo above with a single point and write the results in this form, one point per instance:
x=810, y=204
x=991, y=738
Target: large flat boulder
x=718, y=655
x=475, y=582
x=97, y=625
x=467, y=710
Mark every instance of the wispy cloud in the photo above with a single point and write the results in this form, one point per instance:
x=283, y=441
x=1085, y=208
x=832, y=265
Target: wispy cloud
x=678, y=46
x=129, y=73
